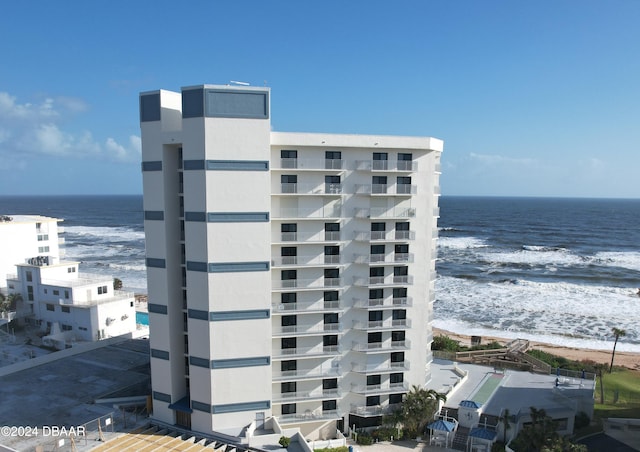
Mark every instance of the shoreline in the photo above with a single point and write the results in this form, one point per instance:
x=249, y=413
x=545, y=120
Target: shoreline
x=629, y=360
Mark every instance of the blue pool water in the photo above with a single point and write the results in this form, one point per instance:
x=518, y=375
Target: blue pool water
x=142, y=318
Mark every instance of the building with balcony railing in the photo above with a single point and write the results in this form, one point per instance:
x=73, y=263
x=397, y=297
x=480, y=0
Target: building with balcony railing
x=292, y=272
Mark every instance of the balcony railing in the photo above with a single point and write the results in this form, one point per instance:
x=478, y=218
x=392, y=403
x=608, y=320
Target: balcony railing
x=317, y=237
x=372, y=236
x=301, y=374
x=321, y=283
x=309, y=416
x=381, y=212
x=305, y=261
x=308, y=213
x=380, y=368
x=380, y=346
x=287, y=397
x=382, y=258
x=307, y=352
x=382, y=324
x=383, y=281
x=384, y=303
x=295, y=330
x=310, y=189
x=386, y=165
x=309, y=164
x=386, y=388
x=316, y=306
x=376, y=410
x=385, y=189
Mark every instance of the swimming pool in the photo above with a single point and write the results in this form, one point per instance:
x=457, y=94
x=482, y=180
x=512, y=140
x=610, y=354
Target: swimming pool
x=142, y=318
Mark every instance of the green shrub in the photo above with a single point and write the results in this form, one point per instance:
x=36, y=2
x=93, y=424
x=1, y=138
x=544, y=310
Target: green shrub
x=384, y=434
x=284, y=441
x=364, y=439
x=582, y=420
x=444, y=343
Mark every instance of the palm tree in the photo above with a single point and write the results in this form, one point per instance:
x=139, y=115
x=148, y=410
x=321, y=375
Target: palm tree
x=617, y=332
x=600, y=369
x=419, y=407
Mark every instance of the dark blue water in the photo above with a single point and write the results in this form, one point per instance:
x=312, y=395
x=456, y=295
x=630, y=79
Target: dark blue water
x=560, y=270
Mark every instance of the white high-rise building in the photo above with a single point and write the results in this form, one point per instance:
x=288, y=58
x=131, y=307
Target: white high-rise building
x=290, y=275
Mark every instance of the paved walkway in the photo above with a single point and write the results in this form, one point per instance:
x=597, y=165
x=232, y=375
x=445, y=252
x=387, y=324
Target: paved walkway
x=397, y=446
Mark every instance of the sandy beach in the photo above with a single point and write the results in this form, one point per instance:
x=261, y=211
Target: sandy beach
x=625, y=359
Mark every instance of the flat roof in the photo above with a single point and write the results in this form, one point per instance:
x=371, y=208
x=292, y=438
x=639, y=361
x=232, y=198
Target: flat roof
x=28, y=219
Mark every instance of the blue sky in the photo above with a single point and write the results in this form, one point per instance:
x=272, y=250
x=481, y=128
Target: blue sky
x=538, y=98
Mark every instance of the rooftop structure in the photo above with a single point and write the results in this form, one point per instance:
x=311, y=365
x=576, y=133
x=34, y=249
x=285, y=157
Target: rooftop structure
x=291, y=275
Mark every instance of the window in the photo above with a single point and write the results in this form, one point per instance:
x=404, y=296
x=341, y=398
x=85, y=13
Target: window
x=289, y=231
x=401, y=253
x=380, y=160
x=405, y=162
x=289, y=386
x=333, y=155
x=332, y=185
x=397, y=336
x=394, y=399
x=66, y=327
x=43, y=237
x=329, y=405
x=331, y=277
x=82, y=328
x=331, y=254
x=289, y=183
x=30, y=293
x=403, y=157
x=379, y=184
x=331, y=318
x=333, y=159
x=330, y=341
x=288, y=320
x=287, y=275
x=43, y=249
x=377, y=253
x=29, y=276
x=71, y=270
x=397, y=357
x=403, y=185
x=288, y=254
x=50, y=307
x=331, y=295
x=65, y=309
x=288, y=343
x=373, y=400
x=288, y=297
x=378, y=231
x=375, y=316
x=330, y=383
x=373, y=380
x=396, y=378
x=289, y=158
x=287, y=366
x=374, y=338
x=399, y=314
x=288, y=408
x=332, y=231
x=102, y=290
x=400, y=293
x=376, y=297
x=56, y=292
x=375, y=272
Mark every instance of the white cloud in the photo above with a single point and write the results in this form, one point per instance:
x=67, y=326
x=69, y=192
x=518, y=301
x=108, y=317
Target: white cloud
x=494, y=159
x=36, y=129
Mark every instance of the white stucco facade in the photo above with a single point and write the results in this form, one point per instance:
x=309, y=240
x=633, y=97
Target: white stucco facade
x=290, y=275
x=67, y=305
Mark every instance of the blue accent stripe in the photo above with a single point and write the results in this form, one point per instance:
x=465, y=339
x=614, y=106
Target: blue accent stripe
x=162, y=396
x=156, y=263
x=154, y=215
x=234, y=267
x=150, y=107
x=199, y=362
x=236, y=407
x=241, y=362
x=195, y=216
x=239, y=315
x=193, y=165
x=152, y=166
x=238, y=165
x=157, y=308
x=238, y=217
x=160, y=354
x=199, y=406
x=198, y=314
x=197, y=266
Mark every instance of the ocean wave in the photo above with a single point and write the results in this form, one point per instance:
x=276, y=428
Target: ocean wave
x=623, y=259
x=104, y=234
x=556, y=309
x=461, y=243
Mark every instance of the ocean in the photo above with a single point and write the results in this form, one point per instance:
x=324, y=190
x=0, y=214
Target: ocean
x=563, y=271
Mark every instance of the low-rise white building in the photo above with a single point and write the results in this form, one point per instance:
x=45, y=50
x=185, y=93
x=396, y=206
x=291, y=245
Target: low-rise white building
x=68, y=306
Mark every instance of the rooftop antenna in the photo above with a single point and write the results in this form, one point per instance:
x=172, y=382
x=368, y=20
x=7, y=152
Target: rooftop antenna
x=235, y=82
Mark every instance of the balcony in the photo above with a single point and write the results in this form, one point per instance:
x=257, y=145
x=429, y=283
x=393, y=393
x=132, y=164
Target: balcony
x=387, y=346
x=381, y=303
x=309, y=416
x=308, y=164
x=307, y=330
x=383, y=281
x=305, y=396
x=387, y=165
x=386, y=367
x=385, y=189
x=307, y=374
x=309, y=189
x=383, y=236
x=387, y=388
x=381, y=212
x=306, y=284
x=317, y=237
x=378, y=325
x=377, y=410
x=307, y=213
x=305, y=261
x=383, y=258
x=306, y=308
x=319, y=351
